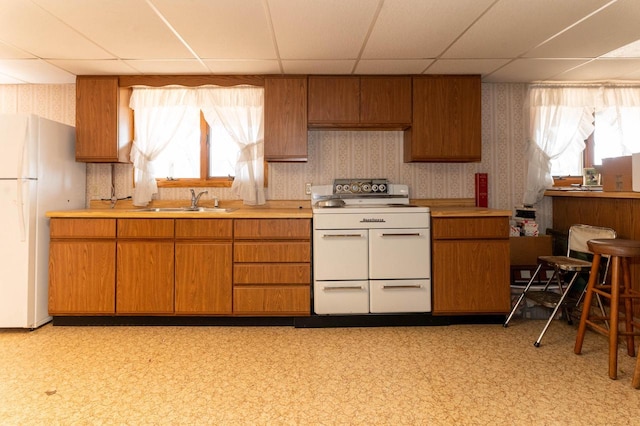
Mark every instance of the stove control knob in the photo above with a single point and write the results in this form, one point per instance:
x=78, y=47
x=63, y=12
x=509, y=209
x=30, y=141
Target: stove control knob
x=374, y=187
x=366, y=187
x=355, y=187
x=382, y=187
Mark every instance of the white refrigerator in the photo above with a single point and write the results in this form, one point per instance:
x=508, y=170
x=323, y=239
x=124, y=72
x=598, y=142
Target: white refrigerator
x=38, y=173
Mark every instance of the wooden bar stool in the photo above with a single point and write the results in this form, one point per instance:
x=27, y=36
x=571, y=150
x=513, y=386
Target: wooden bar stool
x=621, y=251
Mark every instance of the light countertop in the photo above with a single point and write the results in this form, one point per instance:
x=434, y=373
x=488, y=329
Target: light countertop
x=272, y=209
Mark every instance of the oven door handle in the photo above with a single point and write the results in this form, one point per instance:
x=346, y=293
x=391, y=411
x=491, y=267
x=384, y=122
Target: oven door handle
x=405, y=286
x=401, y=234
x=344, y=287
x=342, y=235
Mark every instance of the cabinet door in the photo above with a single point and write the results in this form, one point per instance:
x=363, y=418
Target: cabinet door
x=145, y=274
x=470, y=276
x=334, y=100
x=285, y=119
x=446, y=120
x=82, y=277
x=385, y=100
x=97, y=119
x=203, y=278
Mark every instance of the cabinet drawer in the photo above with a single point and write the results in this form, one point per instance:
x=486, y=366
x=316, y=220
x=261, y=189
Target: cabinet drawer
x=294, y=251
x=286, y=300
x=261, y=273
x=470, y=228
x=82, y=228
x=272, y=228
x=204, y=228
x=145, y=228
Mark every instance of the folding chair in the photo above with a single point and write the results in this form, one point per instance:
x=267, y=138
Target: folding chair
x=566, y=270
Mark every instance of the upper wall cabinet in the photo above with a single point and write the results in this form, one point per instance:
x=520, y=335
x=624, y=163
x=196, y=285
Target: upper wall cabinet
x=366, y=102
x=285, y=118
x=103, y=120
x=446, y=120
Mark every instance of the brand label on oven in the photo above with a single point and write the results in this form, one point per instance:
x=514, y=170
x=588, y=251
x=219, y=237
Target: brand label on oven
x=372, y=220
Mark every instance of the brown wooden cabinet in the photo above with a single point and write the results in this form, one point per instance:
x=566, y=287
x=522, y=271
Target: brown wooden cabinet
x=272, y=267
x=203, y=251
x=103, y=120
x=368, y=102
x=446, y=125
x=470, y=265
x=145, y=266
x=82, y=259
x=285, y=118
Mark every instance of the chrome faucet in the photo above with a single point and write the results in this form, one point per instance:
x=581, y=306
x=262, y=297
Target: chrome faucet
x=195, y=198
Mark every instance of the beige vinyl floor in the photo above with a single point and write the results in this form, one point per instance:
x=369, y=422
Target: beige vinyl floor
x=437, y=375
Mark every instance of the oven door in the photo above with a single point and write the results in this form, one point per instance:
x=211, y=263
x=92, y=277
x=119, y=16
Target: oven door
x=340, y=254
x=399, y=253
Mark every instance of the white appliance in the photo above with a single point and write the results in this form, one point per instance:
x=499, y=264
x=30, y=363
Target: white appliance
x=38, y=172
x=372, y=250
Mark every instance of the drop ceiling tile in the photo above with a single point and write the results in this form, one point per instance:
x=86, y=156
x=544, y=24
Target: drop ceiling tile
x=465, y=66
x=601, y=70
x=609, y=29
x=9, y=52
x=392, y=66
x=93, y=67
x=416, y=29
x=329, y=29
x=318, y=67
x=35, y=71
x=26, y=26
x=128, y=29
x=236, y=29
x=529, y=70
x=177, y=66
x=513, y=27
x=243, y=67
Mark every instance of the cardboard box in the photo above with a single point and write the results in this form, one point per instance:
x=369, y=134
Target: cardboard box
x=617, y=174
x=525, y=250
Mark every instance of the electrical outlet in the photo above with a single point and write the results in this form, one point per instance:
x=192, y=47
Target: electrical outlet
x=307, y=188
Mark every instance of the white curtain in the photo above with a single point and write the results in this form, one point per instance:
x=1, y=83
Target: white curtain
x=159, y=114
x=560, y=119
x=241, y=111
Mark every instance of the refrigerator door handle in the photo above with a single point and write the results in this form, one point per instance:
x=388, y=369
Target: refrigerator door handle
x=20, y=205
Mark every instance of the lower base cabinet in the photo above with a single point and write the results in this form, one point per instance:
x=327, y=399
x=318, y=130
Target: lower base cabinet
x=272, y=267
x=165, y=267
x=470, y=273
x=82, y=260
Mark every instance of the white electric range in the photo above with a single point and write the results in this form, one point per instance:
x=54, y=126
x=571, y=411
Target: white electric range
x=371, y=249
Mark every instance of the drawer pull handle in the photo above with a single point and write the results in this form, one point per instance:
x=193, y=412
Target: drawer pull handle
x=359, y=287
x=384, y=287
x=412, y=234
x=341, y=235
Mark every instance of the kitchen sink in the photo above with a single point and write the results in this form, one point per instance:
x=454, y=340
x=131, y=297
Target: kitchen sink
x=185, y=210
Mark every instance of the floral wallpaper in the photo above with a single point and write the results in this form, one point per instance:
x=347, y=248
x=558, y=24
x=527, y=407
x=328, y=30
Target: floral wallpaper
x=342, y=154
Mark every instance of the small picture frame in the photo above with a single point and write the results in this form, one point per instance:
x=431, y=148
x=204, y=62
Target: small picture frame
x=590, y=177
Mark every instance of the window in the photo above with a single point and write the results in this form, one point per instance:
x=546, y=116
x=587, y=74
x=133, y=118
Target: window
x=561, y=120
x=607, y=140
x=198, y=155
x=202, y=136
